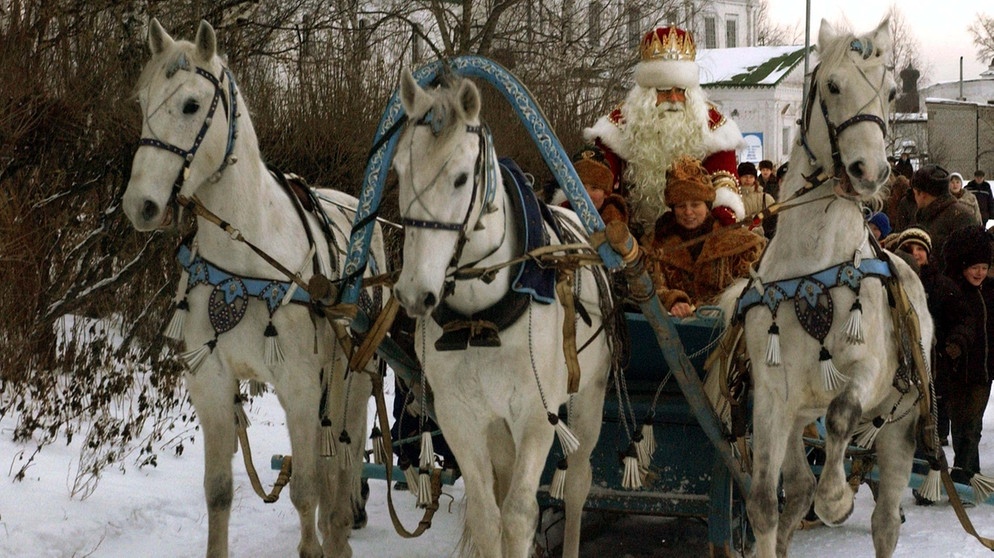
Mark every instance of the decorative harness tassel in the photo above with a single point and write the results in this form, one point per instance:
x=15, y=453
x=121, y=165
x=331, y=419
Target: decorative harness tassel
x=854, y=327
x=558, y=485
x=931, y=489
x=174, y=330
x=773, y=344
x=866, y=433
x=274, y=353
x=410, y=474
x=831, y=378
x=379, y=452
x=346, y=441
x=648, y=441
x=632, y=477
x=567, y=440
x=427, y=464
x=328, y=448
x=983, y=487
x=193, y=359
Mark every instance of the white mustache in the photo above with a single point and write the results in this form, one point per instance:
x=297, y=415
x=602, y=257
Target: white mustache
x=668, y=106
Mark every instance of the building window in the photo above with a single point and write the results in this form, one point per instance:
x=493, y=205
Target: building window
x=731, y=32
x=785, y=146
x=594, y=24
x=710, y=32
x=634, y=24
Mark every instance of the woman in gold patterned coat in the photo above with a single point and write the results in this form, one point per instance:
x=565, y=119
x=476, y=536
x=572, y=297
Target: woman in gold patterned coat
x=693, y=257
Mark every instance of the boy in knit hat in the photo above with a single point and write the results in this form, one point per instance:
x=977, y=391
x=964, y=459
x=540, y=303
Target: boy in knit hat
x=967, y=256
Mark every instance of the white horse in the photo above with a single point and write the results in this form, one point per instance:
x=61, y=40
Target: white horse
x=840, y=349
x=198, y=140
x=492, y=403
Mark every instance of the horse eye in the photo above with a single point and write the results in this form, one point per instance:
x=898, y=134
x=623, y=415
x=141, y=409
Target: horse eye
x=461, y=180
x=833, y=88
x=191, y=107
x=893, y=94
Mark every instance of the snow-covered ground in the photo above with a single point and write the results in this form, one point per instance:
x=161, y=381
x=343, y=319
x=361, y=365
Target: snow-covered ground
x=160, y=512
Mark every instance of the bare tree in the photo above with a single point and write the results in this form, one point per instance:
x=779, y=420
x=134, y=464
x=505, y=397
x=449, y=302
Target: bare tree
x=769, y=33
x=982, y=30
x=907, y=49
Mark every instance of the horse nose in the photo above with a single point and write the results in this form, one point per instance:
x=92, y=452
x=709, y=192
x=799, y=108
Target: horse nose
x=150, y=210
x=856, y=169
x=430, y=300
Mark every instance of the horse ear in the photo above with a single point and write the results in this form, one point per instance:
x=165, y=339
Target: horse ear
x=882, y=37
x=158, y=39
x=414, y=99
x=469, y=100
x=206, y=42
x=826, y=33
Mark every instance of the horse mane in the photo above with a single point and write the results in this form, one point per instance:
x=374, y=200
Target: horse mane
x=445, y=97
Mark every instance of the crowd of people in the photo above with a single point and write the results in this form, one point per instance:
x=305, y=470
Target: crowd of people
x=679, y=196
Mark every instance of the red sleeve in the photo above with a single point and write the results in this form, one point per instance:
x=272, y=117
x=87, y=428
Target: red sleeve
x=617, y=165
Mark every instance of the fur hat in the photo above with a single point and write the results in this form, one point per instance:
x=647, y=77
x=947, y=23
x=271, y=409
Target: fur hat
x=747, y=168
x=931, y=179
x=881, y=221
x=765, y=164
x=667, y=59
x=909, y=236
x=964, y=248
x=687, y=180
x=594, y=169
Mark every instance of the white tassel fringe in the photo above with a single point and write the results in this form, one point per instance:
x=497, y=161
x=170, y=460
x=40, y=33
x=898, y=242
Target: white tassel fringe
x=631, y=479
x=410, y=476
x=347, y=460
x=830, y=375
x=427, y=451
x=174, y=330
x=931, y=488
x=274, y=353
x=567, y=440
x=854, y=327
x=866, y=433
x=773, y=345
x=379, y=452
x=424, y=487
x=327, y=444
x=648, y=436
x=983, y=487
x=193, y=359
x=558, y=485
x=643, y=457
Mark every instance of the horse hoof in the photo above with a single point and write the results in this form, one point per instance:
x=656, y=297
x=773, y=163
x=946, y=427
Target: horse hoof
x=834, y=513
x=359, y=519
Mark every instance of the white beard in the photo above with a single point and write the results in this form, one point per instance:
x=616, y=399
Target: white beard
x=655, y=137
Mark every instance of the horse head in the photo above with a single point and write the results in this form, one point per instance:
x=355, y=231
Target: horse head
x=845, y=120
x=438, y=162
x=179, y=92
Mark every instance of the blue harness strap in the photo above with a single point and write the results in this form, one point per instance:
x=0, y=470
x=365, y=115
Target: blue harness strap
x=844, y=274
x=535, y=281
x=269, y=291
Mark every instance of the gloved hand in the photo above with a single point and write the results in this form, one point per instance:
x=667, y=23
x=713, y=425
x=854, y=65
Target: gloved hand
x=724, y=215
x=953, y=350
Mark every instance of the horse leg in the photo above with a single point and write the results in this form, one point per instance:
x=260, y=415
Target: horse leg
x=519, y=509
x=300, y=403
x=213, y=395
x=834, y=497
x=588, y=416
x=770, y=432
x=895, y=446
x=359, y=393
x=799, y=489
x=470, y=437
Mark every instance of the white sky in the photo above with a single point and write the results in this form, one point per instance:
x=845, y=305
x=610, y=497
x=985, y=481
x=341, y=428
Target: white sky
x=941, y=27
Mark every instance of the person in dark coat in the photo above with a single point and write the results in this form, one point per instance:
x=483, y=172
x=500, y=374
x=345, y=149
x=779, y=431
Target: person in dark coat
x=903, y=166
x=955, y=323
x=985, y=198
x=900, y=206
x=967, y=259
x=939, y=213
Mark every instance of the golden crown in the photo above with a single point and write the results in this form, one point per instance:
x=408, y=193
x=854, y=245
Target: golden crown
x=668, y=43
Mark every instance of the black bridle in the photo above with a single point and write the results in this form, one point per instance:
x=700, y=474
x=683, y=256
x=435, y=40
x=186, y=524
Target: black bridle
x=833, y=130
x=482, y=176
x=231, y=115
